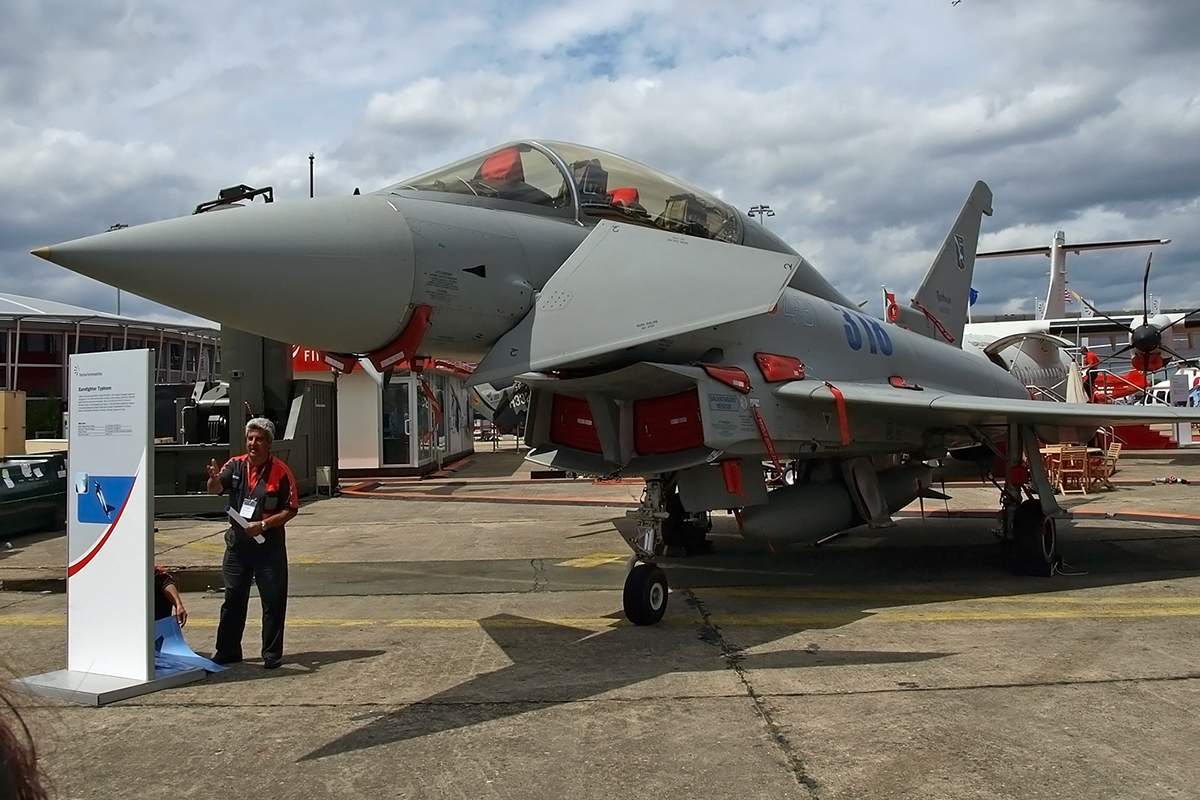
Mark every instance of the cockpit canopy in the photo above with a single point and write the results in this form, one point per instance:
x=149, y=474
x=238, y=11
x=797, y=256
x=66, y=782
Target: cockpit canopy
x=585, y=182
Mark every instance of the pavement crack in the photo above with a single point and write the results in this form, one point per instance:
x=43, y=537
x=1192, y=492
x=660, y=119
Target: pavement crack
x=540, y=581
x=1065, y=682
x=734, y=655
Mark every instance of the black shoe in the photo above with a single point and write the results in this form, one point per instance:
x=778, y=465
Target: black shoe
x=273, y=663
x=225, y=660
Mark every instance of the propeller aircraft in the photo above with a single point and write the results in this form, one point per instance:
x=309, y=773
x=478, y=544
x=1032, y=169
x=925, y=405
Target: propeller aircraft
x=1039, y=352
x=1150, y=352
x=661, y=334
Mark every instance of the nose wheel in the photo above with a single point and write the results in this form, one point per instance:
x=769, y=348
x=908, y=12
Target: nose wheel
x=646, y=594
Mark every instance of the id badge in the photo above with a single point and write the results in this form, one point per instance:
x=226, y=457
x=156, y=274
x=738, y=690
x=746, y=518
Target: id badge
x=248, y=508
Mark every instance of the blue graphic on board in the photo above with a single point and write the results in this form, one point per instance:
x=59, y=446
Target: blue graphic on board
x=101, y=497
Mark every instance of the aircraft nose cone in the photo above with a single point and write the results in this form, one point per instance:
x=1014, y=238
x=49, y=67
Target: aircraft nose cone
x=332, y=273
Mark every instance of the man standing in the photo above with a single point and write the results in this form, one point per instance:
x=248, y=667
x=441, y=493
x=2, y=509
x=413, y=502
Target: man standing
x=262, y=498
x=1091, y=364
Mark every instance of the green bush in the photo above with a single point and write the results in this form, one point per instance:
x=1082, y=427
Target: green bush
x=43, y=418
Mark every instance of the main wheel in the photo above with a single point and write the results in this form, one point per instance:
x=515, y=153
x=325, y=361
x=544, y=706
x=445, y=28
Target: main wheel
x=1035, y=541
x=645, y=594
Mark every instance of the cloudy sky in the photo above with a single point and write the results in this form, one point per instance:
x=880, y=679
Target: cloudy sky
x=862, y=124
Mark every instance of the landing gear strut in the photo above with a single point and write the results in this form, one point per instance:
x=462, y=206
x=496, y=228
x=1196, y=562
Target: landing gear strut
x=646, y=589
x=1029, y=526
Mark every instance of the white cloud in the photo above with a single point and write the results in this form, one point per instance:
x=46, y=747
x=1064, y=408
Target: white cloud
x=862, y=124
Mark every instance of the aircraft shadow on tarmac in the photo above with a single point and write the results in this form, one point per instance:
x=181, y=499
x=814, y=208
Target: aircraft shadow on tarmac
x=918, y=561
x=555, y=664
x=963, y=553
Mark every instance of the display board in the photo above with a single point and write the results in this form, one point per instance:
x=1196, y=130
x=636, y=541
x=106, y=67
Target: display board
x=110, y=515
x=110, y=535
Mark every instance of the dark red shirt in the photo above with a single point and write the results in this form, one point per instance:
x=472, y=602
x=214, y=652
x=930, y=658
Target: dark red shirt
x=273, y=485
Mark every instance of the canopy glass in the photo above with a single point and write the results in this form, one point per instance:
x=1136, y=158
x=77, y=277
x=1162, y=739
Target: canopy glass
x=586, y=181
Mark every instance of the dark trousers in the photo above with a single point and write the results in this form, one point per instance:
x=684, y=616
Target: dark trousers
x=265, y=565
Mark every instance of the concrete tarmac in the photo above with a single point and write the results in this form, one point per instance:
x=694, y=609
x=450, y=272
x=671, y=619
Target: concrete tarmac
x=463, y=637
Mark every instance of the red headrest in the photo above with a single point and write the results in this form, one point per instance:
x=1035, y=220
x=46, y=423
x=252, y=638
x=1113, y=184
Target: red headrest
x=504, y=165
x=627, y=196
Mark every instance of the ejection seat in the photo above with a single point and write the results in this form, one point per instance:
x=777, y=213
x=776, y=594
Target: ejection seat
x=504, y=173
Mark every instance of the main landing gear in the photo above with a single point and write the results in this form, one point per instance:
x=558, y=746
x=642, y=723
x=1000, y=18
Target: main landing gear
x=1034, y=541
x=1029, y=526
x=683, y=534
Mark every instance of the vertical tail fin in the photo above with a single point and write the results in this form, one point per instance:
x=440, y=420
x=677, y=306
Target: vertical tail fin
x=942, y=301
x=1056, y=297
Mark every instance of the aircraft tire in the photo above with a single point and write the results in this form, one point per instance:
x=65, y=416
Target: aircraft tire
x=645, y=594
x=1035, y=541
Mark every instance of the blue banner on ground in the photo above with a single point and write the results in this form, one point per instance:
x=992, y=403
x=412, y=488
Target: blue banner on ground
x=171, y=652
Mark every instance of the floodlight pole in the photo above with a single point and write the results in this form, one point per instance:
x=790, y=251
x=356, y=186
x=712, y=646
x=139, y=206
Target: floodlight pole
x=310, y=174
x=762, y=211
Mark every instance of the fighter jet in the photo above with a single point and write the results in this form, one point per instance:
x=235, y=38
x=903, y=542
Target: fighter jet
x=660, y=334
x=504, y=407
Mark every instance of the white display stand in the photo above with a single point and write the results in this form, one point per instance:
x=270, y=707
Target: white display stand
x=1180, y=387
x=110, y=536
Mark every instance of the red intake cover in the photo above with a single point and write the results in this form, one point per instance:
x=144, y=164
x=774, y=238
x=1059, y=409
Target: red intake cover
x=668, y=424
x=571, y=424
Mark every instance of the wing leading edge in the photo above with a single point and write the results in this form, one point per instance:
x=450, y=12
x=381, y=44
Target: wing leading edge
x=937, y=408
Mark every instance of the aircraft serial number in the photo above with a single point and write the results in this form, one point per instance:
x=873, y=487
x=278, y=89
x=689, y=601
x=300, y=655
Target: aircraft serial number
x=859, y=324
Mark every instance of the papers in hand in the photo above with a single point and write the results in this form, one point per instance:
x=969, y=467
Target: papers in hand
x=242, y=523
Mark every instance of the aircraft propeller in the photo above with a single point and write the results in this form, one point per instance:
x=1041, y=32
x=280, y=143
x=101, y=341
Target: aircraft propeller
x=1147, y=338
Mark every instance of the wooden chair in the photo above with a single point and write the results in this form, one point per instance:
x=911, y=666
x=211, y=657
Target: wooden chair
x=1052, y=460
x=1105, y=465
x=1074, y=470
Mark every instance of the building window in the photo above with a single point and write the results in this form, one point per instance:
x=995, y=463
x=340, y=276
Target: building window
x=397, y=423
x=40, y=348
x=40, y=381
x=92, y=344
x=204, y=366
x=175, y=356
x=191, y=358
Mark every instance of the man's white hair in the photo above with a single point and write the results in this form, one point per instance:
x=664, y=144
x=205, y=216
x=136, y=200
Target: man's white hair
x=262, y=424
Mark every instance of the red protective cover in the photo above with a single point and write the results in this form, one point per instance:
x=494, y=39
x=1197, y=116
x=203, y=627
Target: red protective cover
x=668, y=424
x=571, y=424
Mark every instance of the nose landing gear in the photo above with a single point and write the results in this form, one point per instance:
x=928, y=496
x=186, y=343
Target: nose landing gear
x=646, y=590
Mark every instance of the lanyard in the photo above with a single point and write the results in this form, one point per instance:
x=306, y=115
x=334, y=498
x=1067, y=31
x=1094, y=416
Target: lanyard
x=263, y=471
